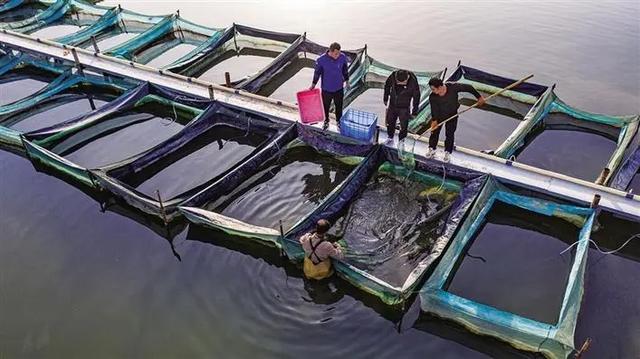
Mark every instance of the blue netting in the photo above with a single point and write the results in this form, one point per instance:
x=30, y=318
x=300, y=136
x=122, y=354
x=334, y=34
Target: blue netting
x=626, y=172
x=479, y=78
x=215, y=116
x=554, y=340
x=318, y=139
x=335, y=206
x=10, y=4
x=53, y=13
x=38, y=143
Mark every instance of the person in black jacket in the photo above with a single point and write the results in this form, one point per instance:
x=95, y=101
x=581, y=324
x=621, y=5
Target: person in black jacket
x=400, y=89
x=444, y=104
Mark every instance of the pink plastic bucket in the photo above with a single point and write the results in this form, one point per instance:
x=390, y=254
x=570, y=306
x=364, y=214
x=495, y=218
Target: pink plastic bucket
x=310, y=105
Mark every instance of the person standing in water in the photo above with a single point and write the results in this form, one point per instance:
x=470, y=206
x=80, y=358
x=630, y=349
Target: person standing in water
x=318, y=252
x=444, y=104
x=400, y=89
x=332, y=67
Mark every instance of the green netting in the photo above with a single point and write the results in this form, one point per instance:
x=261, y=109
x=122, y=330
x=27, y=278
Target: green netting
x=166, y=34
x=553, y=340
x=238, y=40
x=517, y=138
x=112, y=22
x=549, y=104
x=58, y=12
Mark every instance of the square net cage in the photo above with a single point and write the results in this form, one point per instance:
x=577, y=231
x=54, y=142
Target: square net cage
x=555, y=339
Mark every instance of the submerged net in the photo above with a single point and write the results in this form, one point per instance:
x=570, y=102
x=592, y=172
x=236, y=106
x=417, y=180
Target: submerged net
x=394, y=223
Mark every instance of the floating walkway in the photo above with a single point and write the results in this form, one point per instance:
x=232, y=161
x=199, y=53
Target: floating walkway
x=542, y=180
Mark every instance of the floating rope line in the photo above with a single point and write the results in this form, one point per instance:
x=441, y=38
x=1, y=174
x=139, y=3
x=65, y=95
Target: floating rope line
x=598, y=248
x=246, y=133
x=175, y=112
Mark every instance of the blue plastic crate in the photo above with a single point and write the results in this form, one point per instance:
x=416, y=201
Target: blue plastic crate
x=360, y=125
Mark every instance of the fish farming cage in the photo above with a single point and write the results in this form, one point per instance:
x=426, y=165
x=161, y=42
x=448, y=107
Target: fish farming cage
x=303, y=53
x=165, y=35
x=237, y=40
x=151, y=35
x=165, y=112
x=15, y=66
x=552, y=114
x=511, y=107
x=48, y=14
x=372, y=74
x=27, y=77
x=29, y=113
x=113, y=24
x=454, y=189
x=216, y=126
x=551, y=334
x=201, y=208
x=18, y=10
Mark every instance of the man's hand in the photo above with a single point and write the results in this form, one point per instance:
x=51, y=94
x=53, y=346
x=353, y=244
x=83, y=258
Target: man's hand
x=312, y=86
x=434, y=125
x=481, y=101
x=346, y=85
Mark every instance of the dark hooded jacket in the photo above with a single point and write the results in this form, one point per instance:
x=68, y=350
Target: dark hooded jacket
x=400, y=96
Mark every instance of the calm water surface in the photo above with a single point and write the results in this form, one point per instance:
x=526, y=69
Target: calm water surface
x=78, y=282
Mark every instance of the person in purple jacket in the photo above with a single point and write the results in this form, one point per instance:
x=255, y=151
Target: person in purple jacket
x=332, y=67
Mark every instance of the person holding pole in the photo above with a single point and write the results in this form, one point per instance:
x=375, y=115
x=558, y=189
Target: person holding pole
x=444, y=106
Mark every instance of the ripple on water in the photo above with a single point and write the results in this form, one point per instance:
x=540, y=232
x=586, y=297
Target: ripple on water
x=286, y=188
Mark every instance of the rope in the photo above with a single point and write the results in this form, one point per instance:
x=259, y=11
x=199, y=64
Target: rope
x=175, y=115
x=600, y=250
x=173, y=106
x=545, y=339
x=246, y=132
